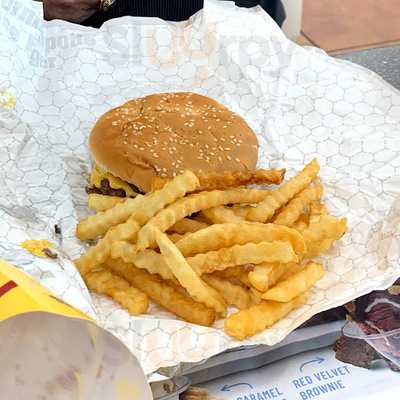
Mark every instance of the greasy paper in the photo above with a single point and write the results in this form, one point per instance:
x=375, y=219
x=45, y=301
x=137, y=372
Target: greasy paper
x=56, y=79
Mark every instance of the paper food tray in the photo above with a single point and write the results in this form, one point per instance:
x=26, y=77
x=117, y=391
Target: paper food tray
x=245, y=358
x=57, y=79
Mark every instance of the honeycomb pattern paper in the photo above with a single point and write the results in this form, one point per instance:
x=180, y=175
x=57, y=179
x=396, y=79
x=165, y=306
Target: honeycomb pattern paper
x=58, y=78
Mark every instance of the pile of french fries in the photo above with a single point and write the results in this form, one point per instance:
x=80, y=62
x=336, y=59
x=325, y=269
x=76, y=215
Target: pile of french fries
x=200, y=245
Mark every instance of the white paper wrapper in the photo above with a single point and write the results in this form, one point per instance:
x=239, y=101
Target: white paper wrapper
x=49, y=356
x=300, y=102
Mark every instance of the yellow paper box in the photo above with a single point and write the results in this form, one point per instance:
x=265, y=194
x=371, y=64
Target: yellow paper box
x=80, y=351
x=21, y=294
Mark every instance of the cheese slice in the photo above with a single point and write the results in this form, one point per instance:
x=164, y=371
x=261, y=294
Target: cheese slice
x=36, y=247
x=98, y=175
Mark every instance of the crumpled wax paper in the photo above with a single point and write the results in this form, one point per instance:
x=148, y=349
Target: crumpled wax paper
x=300, y=102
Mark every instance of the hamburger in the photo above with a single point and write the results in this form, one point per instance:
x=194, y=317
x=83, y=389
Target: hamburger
x=162, y=135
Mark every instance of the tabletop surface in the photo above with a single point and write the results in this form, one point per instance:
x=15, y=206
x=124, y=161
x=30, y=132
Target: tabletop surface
x=385, y=61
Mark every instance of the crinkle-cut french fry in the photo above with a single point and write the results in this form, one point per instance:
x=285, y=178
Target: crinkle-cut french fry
x=100, y=223
x=130, y=298
x=255, y=319
x=224, y=180
x=99, y=253
x=248, y=322
x=164, y=294
x=322, y=247
x=292, y=211
x=158, y=183
x=100, y=202
x=244, y=278
x=260, y=277
x=175, y=237
x=296, y=284
x=218, y=236
x=326, y=230
x=228, y=179
x=291, y=269
x=234, y=295
x=242, y=210
x=186, y=225
x=316, y=210
x=187, y=277
x=250, y=253
x=302, y=222
x=140, y=209
x=278, y=198
x=222, y=215
x=255, y=296
x=200, y=218
x=266, y=275
x=231, y=272
x=149, y=260
x=192, y=204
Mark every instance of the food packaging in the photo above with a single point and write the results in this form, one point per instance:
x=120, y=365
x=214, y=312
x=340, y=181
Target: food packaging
x=57, y=78
x=51, y=350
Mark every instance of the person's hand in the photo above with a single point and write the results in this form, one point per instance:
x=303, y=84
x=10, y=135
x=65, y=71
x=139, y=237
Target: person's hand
x=70, y=10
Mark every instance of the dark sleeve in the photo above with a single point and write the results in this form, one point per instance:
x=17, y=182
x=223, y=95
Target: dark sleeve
x=273, y=7
x=175, y=10
x=169, y=10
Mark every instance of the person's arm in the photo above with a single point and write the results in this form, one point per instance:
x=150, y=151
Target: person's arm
x=70, y=10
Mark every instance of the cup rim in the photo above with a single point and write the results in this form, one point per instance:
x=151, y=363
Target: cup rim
x=361, y=335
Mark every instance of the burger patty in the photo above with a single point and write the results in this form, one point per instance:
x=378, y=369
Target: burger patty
x=107, y=190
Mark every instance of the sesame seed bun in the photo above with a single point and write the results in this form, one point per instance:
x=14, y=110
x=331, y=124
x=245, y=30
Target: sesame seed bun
x=164, y=134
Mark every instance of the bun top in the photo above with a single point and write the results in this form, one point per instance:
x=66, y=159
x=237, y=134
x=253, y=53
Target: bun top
x=164, y=134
